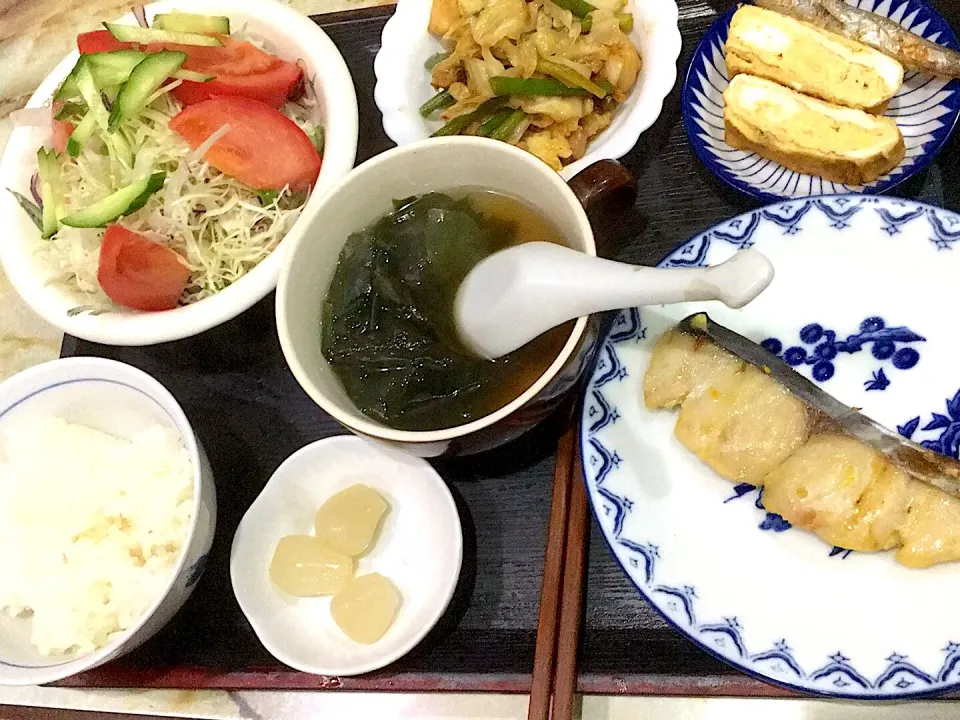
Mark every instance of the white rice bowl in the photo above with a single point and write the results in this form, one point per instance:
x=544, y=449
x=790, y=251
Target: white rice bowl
x=92, y=527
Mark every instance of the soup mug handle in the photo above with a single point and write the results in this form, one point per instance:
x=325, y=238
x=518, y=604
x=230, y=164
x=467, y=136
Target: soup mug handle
x=605, y=187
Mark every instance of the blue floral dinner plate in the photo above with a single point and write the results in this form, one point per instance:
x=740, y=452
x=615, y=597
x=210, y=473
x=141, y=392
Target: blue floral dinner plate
x=926, y=109
x=863, y=303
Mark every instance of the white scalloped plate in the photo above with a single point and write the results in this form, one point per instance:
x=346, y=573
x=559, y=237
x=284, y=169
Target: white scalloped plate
x=403, y=84
x=863, y=304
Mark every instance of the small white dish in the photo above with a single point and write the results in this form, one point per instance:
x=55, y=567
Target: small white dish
x=290, y=36
x=419, y=548
x=403, y=84
x=121, y=400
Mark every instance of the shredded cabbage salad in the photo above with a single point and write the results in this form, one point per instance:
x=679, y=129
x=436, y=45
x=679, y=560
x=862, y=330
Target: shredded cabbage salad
x=221, y=228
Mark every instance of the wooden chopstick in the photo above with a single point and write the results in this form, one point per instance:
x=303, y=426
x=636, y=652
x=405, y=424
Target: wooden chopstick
x=546, y=648
x=565, y=681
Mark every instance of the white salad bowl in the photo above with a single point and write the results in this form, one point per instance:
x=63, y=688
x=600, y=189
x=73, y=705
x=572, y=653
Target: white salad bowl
x=403, y=84
x=120, y=400
x=285, y=32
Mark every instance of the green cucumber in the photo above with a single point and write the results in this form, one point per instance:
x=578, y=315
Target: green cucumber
x=91, y=94
x=107, y=68
x=190, y=23
x=49, y=171
x=137, y=34
x=70, y=111
x=96, y=116
x=81, y=134
x=123, y=202
x=146, y=77
x=192, y=76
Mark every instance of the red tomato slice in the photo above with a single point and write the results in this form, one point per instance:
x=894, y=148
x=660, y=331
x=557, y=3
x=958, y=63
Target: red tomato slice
x=138, y=273
x=263, y=148
x=271, y=87
x=240, y=69
x=101, y=41
x=62, y=129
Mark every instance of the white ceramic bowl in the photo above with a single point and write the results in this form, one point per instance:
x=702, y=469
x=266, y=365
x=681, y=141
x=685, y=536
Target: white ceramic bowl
x=419, y=548
x=435, y=165
x=403, y=84
x=120, y=400
x=289, y=34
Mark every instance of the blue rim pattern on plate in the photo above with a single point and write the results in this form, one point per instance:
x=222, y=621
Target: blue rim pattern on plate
x=925, y=108
x=722, y=637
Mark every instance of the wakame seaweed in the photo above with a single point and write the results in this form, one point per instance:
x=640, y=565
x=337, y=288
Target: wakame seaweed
x=387, y=325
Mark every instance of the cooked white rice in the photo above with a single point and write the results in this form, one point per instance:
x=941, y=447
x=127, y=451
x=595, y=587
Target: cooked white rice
x=91, y=527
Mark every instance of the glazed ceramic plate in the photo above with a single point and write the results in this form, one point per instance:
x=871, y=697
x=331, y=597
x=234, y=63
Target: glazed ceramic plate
x=926, y=110
x=403, y=84
x=863, y=303
x=419, y=547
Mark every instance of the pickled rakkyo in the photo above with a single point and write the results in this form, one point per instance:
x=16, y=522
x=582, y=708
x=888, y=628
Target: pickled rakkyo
x=366, y=607
x=305, y=565
x=348, y=521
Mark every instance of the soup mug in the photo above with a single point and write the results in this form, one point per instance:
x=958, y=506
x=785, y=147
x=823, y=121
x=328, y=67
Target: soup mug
x=366, y=194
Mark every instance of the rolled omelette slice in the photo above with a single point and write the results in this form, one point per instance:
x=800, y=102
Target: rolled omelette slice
x=807, y=135
x=810, y=60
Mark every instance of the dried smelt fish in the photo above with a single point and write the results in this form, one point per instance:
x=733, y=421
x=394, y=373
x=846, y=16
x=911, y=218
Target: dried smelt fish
x=913, y=52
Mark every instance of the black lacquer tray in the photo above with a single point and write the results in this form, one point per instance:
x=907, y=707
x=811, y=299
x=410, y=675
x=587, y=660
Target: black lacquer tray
x=250, y=415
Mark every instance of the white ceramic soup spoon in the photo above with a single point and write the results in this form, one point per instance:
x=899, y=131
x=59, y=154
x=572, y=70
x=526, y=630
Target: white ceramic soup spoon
x=516, y=294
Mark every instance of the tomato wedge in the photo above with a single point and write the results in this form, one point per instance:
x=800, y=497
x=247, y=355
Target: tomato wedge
x=240, y=69
x=138, y=273
x=263, y=149
x=101, y=41
x=62, y=129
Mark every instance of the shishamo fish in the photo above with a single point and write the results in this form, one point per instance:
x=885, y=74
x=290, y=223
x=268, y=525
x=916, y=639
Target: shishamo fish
x=913, y=52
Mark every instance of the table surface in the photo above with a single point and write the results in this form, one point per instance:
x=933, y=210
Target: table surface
x=692, y=205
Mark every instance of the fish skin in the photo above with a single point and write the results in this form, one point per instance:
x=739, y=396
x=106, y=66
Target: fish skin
x=917, y=461
x=914, y=52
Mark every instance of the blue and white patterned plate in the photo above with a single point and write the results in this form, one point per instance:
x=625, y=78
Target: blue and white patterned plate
x=863, y=302
x=926, y=109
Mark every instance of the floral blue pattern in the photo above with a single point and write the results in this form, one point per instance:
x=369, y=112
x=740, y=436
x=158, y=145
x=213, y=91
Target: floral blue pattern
x=643, y=558
x=826, y=346
x=926, y=109
x=947, y=441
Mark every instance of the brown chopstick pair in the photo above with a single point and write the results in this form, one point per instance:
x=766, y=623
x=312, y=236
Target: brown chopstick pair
x=558, y=627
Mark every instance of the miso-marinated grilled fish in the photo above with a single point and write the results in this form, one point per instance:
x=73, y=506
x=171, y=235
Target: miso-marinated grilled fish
x=913, y=52
x=824, y=467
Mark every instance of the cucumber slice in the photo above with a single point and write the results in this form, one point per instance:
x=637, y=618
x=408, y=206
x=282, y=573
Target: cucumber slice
x=70, y=111
x=81, y=134
x=107, y=68
x=190, y=23
x=91, y=94
x=123, y=202
x=134, y=33
x=146, y=77
x=49, y=171
x=193, y=76
x=121, y=148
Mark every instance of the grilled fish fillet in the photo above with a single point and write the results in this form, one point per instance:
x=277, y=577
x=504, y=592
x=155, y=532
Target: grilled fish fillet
x=736, y=419
x=841, y=489
x=810, y=60
x=748, y=428
x=808, y=135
